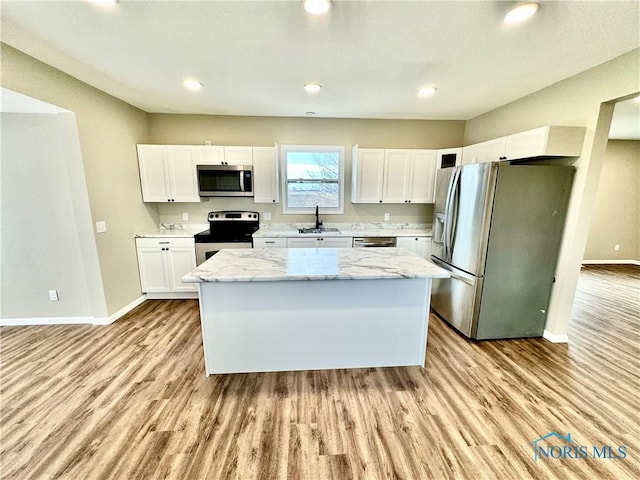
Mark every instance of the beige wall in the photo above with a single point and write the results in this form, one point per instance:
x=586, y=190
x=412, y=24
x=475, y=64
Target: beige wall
x=265, y=131
x=616, y=213
x=108, y=131
x=579, y=100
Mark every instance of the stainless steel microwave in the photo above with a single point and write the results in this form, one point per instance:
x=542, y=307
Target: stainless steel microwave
x=225, y=180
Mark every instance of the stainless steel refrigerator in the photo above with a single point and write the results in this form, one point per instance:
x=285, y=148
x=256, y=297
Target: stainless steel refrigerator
x=497, y=230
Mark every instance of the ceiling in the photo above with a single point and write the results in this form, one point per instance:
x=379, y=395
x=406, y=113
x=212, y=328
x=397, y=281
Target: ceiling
x=370, y=57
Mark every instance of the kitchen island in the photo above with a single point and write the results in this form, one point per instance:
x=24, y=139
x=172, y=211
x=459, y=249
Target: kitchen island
x=279, y=309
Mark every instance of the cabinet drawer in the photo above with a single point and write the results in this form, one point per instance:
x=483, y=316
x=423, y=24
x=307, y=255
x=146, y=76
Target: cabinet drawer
x=165, y=242
x=269, y=242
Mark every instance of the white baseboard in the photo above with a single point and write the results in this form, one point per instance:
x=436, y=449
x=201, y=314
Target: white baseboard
x=21, y=322
x=172, y=295
x=555, y=338
x=611, y=262
x=120, y=313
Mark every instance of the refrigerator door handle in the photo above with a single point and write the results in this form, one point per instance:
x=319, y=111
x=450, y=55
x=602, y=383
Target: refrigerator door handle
x=453, y=221
x=454, y=272
x=448, y=225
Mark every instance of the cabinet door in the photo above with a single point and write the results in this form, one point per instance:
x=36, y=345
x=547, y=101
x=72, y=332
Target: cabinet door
x=367, y=173
x=180, y=261
x=408, y=243
x=492, y=150
x=337, y=242
x=424, y=247
x=153, y=176
x=470, y=154
x=312, y=242
x=265, y=175
x=209, y=155
x=152, y=267
x=422, y=176
x=238, y=155
x=397, y=165
x=182, y=176
x=269, y=242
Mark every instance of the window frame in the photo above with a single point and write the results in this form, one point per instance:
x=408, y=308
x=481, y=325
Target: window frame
x=340, y=150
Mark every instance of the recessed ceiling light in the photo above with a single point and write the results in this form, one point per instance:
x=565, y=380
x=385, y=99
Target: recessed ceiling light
x=104, y=3
x=520, y=13
x=427, y=91
x=317, y=7
x=193, y=85
x=312, y=87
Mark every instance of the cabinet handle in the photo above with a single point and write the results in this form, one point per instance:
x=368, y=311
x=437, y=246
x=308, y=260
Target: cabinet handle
x=163, y=243
x=274, y=200
x=503, y=158
x=270, y=242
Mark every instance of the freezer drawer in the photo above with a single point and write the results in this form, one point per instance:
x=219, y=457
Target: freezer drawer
x=457, y=299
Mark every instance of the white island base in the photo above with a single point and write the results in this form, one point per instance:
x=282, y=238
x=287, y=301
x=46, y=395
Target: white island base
x=262, y=326
x=279, y=309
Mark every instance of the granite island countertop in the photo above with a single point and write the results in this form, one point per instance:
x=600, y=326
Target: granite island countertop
x=183, y=231
x=278, y=264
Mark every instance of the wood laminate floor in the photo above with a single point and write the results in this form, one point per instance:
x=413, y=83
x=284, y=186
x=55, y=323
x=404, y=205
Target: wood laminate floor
x=131, y=401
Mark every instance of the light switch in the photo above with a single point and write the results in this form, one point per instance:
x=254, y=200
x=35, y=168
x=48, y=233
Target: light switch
x=101, y=226
x=266, y=216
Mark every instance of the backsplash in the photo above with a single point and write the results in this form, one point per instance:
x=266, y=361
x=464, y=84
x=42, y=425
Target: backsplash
x=354, y=213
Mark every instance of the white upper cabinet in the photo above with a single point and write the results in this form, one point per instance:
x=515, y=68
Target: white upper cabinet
x=366, y=174
x=265, y=175
x=168, y=173
x=238, y=155
x=209, y=155
x=409, y=176
x=392, y=175
x=549, y=141
x=422, y=176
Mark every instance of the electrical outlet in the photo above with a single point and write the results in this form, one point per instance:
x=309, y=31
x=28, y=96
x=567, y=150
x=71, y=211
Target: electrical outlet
x=185, y=216
x=616, y=248
x=101, y=226
x=386, y=217
x=53, y=295
x=266, y=216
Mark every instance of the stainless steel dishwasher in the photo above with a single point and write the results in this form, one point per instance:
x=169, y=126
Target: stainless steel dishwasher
x=364, y=242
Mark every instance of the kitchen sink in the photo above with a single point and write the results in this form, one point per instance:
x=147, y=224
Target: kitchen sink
x=318, y=230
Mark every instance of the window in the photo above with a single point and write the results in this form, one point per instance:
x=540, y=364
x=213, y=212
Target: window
x=312, y=175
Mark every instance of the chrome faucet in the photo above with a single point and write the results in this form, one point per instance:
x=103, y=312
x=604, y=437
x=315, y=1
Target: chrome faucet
x=318, y=221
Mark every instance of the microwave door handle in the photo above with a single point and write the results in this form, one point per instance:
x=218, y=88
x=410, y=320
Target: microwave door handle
x=242, y=180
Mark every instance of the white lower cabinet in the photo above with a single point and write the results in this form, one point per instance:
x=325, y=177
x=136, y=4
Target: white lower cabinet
x=162, y=263
x=421, y=246
x=320, y=242
x=274, y=242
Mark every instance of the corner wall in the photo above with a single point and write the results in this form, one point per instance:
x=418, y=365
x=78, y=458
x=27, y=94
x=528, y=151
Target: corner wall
x=616, y=213
x=582, y=100
x=109, y=130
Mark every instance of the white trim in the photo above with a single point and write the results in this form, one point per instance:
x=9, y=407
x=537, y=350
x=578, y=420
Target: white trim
x=171, y=295
x=555, y=338
x=120, y=313
x=23, y=322
x=611, y=262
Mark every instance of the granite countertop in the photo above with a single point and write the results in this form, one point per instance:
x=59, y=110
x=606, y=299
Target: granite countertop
x=276, y=264
x=287, y=230
x=180, y=231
